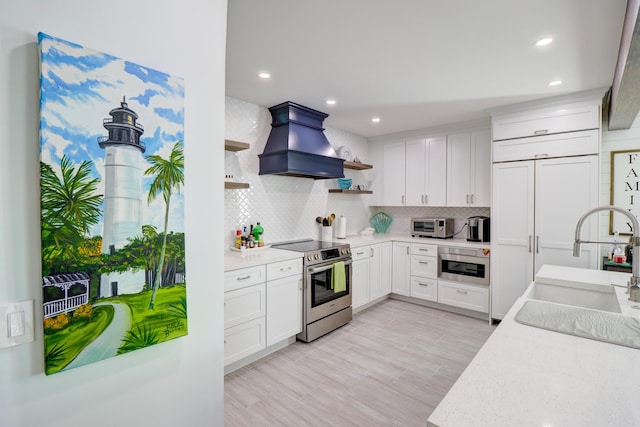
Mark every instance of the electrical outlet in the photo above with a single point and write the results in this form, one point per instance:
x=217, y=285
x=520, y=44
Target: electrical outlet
x=16, y=323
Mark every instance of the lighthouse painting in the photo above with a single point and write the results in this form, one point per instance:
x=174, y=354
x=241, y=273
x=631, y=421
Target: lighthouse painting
x=112, y=198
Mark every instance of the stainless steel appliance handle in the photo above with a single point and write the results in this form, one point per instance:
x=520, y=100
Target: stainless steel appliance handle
x=314, y=270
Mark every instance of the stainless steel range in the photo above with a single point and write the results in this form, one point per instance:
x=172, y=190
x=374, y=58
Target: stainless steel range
x=326, y=298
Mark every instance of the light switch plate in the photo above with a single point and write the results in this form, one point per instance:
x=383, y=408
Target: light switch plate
x=16, y=323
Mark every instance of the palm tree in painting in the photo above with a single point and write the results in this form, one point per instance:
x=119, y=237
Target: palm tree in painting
x=168, y=177
x=70, y=206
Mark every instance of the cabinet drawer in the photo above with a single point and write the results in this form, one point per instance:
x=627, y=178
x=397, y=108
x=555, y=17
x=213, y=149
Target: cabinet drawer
x=424, y=266
x=463, y=295
x=360, y=252
x=244, y=340
x=244, y=304
x=244, y=277
x=427, y=250
x=564, y=118
x=424, y=288
x=278, y=270
x=542, y=147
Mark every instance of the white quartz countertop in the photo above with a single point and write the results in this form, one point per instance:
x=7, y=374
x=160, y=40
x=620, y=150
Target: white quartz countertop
x=528, y=376
x=251, y=257
x=357, y=240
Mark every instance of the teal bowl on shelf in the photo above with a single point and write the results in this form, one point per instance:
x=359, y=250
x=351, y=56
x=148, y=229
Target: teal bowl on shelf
x=344, y=183
x=381, y=221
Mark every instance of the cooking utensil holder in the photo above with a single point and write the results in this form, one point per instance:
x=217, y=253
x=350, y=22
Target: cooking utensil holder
x=326, y=233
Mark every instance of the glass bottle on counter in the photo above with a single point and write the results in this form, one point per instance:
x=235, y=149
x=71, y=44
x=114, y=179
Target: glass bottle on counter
x=257, y=234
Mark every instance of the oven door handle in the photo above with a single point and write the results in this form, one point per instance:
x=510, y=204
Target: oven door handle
x=326, y=267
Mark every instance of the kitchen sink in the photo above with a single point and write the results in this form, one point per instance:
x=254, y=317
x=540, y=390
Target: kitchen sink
x=601, y=297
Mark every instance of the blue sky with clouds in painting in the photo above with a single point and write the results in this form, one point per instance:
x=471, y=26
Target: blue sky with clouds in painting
x=79, y=86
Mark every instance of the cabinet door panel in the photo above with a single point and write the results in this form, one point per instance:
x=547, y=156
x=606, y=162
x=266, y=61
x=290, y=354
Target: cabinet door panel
x=547, y=121
x=480, y=185
x=360, y=282
x=415, y=172
x=401, y=268
x=243, y=340
x=284, y=308
x=566, y=188
x=394, y=171
x=511, y=233
x=244, y=304
x=436, y=172
x=458, y=169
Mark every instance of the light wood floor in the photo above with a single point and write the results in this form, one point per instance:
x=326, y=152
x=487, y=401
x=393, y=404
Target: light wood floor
x=390, y=366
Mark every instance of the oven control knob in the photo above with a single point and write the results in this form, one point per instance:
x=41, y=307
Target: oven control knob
x=308, y=257
x=316, y=256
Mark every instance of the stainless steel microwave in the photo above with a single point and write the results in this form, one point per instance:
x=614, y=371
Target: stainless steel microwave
x=440, y=228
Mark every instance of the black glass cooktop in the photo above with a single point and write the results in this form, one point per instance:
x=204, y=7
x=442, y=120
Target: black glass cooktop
x=307, y=245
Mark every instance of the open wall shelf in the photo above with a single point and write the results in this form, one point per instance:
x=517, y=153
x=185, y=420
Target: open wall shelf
x=357, y=166
x=337, y=190
x=231, y=145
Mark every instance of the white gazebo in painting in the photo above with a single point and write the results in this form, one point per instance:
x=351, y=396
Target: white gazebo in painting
x=68, y=303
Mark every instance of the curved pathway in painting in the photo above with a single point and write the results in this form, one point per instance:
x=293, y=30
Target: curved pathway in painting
x=106, y=345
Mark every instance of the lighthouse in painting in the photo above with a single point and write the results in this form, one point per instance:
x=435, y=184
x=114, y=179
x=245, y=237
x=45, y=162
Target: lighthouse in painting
x=122, y=194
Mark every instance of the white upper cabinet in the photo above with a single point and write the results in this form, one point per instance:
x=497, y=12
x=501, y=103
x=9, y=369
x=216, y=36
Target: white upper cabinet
x=469, y=169
x=548, y=146
x=545, y=121
x=394, y=170
x=425, y=174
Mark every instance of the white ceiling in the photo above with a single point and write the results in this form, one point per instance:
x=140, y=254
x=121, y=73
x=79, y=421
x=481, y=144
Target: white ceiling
x=417, y=63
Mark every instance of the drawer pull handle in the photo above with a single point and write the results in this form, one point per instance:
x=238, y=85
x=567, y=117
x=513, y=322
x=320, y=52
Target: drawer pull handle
x=248, y=276
x=424, y=250
x=424, y=262
x=461, y=292
x=423, y=284
x=359, y=253
x=541, y=156
x=285, y=268
x=541, y=132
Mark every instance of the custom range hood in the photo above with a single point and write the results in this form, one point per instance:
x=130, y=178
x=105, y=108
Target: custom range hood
x=297, y=145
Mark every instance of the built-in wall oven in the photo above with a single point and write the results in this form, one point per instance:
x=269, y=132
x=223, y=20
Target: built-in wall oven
x=466, y=265
x=326, y=303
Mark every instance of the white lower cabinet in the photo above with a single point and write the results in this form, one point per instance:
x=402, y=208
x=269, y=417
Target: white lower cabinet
x=243, y=340
x=380, y=270
x=463, y=295
x=244, y=304
x=424, y=288
x=371, y=273
x=423, y=268
x=284, y=308
x=262, y=306
x=401, y=269
x=360, y=276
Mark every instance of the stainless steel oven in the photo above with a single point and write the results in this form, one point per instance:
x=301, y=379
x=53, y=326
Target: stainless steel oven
x=326, y=304
x=467, y=265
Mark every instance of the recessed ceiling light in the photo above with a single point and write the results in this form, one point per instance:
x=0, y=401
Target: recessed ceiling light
x=544, y=42
x=264, y=75
x=555, y=83
x=375, y=119
x=331, y=102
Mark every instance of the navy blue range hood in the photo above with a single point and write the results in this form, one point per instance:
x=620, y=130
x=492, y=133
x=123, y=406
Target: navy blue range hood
x=297, y=145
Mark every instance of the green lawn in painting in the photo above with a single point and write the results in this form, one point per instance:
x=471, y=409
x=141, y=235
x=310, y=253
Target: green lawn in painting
x=168, y=320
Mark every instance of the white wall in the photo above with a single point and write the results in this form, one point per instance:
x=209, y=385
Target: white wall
x=175, y=383
x=286, y=206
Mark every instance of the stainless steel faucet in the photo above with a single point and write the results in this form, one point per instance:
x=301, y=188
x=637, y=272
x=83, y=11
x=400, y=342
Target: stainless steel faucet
x=632, y=287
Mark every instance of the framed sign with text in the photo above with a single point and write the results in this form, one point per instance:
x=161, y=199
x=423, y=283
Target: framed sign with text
x=625, y=188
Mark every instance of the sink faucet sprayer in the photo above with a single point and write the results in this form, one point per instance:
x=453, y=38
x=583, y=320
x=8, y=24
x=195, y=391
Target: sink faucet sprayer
x=632, y=287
